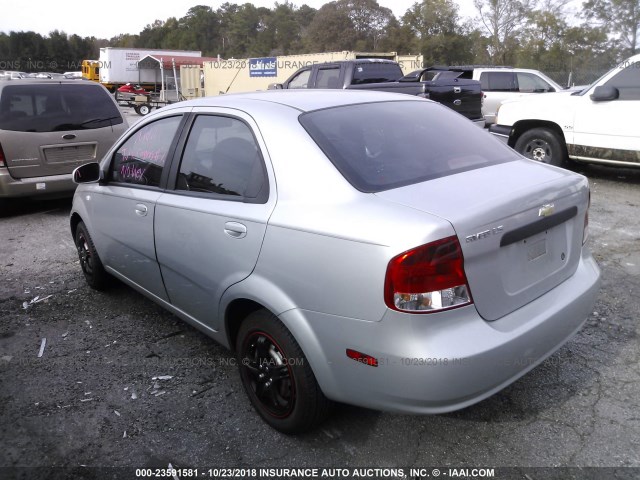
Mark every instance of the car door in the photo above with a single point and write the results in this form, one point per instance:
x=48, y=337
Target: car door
x=209, y=228
x=126, y=204
x=608, y=130
x=497, y=87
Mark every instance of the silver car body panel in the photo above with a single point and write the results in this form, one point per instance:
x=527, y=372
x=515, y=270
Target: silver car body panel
x=315, y=254
x=503, y=278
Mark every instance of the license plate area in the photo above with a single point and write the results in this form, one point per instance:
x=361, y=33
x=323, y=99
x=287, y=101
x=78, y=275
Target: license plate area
x=532, y=260
x=69, y=153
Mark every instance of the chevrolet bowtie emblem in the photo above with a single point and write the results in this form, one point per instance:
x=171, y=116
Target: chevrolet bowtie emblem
x=546, y=210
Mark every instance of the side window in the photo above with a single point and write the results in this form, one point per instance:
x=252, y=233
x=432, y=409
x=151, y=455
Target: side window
x=328, y=78
x=301, y=80
x=529, y=83
x=221, y=156
x=141, y=158
x=498, y=82
x=627, y=82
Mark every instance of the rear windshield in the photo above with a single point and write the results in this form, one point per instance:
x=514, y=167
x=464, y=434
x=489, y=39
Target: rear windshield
x=54, y=107
x=380, y=146
x=375, y=73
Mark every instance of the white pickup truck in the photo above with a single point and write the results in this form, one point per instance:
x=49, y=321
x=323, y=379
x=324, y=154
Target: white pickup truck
x=596, y=125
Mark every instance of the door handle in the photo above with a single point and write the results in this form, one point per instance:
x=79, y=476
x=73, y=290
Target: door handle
x=235, y=229
x=141, y=210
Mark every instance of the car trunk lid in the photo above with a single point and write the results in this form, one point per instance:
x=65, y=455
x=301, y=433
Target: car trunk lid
x=520, y=225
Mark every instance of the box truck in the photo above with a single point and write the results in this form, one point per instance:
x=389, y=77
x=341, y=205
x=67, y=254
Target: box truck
x=119, y=66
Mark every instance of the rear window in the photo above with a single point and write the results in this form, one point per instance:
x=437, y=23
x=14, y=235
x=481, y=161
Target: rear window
x=380, y=146
x=51, y=107
x=375, y=73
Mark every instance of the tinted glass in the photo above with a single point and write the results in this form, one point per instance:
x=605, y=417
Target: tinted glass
x=221, y=156
x=375, y=73
x=56, y=108
x=141, y=158
x=498, y=82
x=379, y=146
x=529, y=83
x=301, y=80
x=328, y=78
x=627, y=82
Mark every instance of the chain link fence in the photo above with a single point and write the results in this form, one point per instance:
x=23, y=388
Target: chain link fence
x=572, y=78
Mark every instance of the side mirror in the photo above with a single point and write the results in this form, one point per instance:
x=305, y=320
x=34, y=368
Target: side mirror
x=87, y=173
x=604, y=94
x=275, y=86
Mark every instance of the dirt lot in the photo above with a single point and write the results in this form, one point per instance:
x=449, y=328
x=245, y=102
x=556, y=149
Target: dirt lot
x=93, y=398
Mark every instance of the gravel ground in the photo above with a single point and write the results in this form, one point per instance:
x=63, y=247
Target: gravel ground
x=94, y=397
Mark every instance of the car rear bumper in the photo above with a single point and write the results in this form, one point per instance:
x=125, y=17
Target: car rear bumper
x=38, y=186
x=443, y=362
x=502, y=132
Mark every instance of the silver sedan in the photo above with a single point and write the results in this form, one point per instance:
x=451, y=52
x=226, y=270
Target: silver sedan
x=362, y=247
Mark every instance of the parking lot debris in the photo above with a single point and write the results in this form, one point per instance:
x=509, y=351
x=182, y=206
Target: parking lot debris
x=124, y=435
x=35, y=300
x=116, y=412
x=43, y=344
x=134, y=396
x=86, y=399
x=163, y=377
x=175, y=477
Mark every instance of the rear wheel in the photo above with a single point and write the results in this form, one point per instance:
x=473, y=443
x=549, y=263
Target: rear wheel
x=94, y=272
x=543, y=145
x=143, y=110
x=276, y=375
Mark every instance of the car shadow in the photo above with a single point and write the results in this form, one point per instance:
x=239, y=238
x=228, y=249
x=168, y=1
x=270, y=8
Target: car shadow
x=615, y=174
x=25, y=206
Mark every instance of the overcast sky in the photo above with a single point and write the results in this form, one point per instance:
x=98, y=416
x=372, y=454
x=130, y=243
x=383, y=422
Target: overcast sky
x=106, y=20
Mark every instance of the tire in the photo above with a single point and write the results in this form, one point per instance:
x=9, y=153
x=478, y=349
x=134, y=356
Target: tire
x=137, y=109
x=94, y=273
x=277, y=377
x=543, y=145
x=143, y=110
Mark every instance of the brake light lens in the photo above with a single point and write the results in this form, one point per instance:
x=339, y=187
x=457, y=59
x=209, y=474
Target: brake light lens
x=429, y=278
x=585, y=231
x=3, y=161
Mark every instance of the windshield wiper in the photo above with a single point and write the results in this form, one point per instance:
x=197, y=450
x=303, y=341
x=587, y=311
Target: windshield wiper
x=93, y=120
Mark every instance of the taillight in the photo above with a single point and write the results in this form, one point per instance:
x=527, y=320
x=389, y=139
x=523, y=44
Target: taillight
x=428, y=278
x=585, y=230
x=3, y=160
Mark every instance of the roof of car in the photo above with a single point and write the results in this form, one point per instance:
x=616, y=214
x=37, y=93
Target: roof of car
x=303, y=100
x=42, y=81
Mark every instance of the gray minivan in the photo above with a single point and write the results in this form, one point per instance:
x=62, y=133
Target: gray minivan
x=48, y=128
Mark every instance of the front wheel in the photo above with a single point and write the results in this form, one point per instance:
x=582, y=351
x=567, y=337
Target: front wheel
x=276, y=375
x=94, y=272
x=144, y=110
x=543, y=145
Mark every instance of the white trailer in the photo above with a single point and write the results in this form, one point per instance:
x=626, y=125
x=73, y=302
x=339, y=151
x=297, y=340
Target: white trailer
x=119, y=66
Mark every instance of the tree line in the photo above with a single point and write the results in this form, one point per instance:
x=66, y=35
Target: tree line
x=526, y=33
